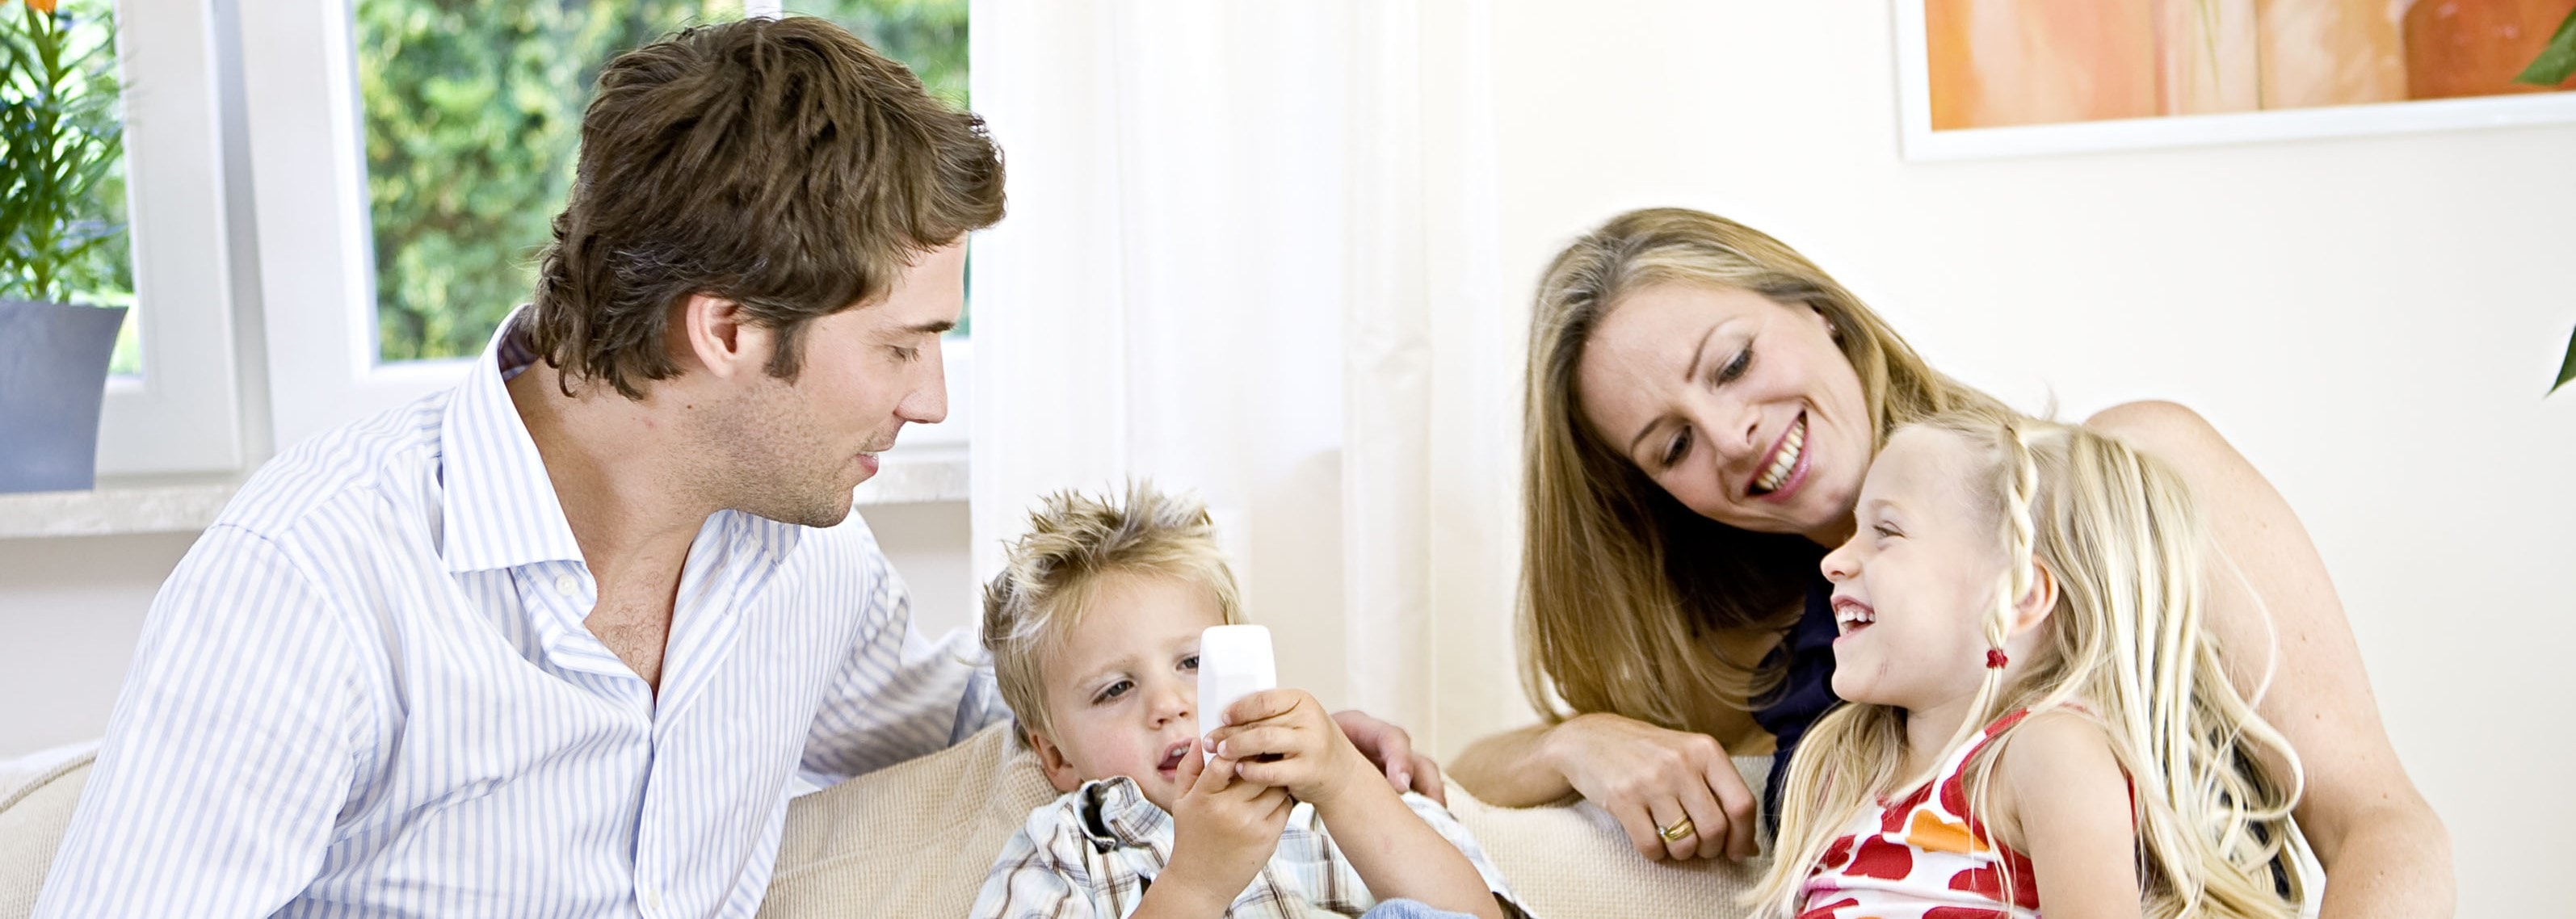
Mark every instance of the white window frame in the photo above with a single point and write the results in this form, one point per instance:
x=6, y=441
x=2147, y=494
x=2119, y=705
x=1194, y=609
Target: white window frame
x=307, y=148
x=183, y=414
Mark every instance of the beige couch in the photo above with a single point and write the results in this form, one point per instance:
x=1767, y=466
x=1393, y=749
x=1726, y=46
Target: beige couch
x=914, y=840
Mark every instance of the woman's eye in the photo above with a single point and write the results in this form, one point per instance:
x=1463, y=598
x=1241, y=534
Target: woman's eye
x=1735, y=368
x=1679, y=448
x=1190, y=663
x=1113, y=691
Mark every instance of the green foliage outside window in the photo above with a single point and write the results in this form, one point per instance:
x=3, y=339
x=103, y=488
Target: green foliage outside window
x=473, y=112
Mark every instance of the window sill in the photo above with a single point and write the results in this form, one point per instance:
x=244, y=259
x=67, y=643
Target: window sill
x=115, y=508
x=177, y=505
x=923, y=474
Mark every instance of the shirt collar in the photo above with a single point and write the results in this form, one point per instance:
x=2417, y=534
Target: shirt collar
x=500, y=507
x=1115, y=814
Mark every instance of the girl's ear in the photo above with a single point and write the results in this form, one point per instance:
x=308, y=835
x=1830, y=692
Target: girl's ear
x=1059, y=770
x=2034, y=605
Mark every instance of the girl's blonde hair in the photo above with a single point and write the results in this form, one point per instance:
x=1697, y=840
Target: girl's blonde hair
x=1623, y=589
x=1051, y=577
x=2213, y=784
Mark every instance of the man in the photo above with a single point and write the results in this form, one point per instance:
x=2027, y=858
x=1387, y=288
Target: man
x=553, y=642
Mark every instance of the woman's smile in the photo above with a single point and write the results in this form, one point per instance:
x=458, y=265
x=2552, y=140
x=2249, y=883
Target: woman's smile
x=1785, y=467
x=1741, y=407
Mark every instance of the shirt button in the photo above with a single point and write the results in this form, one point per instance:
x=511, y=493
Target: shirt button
x=653, y=899
x=567, y=585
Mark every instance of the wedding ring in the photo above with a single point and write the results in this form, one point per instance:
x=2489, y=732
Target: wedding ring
x=1680, y=830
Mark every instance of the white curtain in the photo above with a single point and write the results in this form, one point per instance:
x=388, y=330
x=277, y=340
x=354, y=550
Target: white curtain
x=1252, y=252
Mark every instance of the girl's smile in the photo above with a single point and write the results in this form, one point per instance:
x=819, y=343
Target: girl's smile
x=1916, y=581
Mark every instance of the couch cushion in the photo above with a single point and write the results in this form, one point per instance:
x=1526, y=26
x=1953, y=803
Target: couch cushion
x=911, y=840
x=916, y=839
x=1573, y=861
x=35, y=809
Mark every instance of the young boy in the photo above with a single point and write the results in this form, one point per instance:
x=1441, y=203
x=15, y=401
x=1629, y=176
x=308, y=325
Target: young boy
x=1094, y=628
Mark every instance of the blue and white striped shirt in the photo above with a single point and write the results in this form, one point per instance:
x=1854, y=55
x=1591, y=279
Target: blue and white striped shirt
x=367, y=690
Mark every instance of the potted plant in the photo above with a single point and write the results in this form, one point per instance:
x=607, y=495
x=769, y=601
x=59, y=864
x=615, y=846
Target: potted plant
x=62, y=141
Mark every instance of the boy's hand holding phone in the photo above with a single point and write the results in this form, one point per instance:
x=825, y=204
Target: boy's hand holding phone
x=1223, y=830
x=1283, y=738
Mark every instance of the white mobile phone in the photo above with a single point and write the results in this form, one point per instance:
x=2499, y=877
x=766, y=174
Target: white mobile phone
x=1234, y=662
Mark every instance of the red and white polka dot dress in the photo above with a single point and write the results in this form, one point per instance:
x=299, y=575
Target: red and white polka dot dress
x=1923, y=856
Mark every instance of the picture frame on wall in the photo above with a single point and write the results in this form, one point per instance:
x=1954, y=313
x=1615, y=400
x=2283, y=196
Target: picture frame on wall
x=1992, y=78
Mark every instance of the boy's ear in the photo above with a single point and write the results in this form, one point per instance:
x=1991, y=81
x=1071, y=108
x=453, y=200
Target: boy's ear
x=2034, y=605
x=1059, y=770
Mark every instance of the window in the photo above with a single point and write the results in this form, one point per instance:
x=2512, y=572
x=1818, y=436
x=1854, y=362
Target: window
x=172, y=406
x=428, y=144
x=472, y=120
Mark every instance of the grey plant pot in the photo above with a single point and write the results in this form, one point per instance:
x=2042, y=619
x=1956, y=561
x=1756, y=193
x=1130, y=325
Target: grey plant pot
x=53, y=373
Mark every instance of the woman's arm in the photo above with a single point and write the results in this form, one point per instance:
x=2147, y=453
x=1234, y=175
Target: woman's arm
x=1645, y=776
x=2384, y=851
x=2059, y=786
x=1504, y=769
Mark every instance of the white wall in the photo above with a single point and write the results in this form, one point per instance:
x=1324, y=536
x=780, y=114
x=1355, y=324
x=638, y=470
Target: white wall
x=2372, y=321
x=71, y=609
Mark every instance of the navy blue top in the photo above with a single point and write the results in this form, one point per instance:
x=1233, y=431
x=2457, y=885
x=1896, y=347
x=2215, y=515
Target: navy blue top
x=1805, y=693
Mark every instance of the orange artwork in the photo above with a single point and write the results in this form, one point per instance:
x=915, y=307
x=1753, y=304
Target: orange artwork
x=2000, y=63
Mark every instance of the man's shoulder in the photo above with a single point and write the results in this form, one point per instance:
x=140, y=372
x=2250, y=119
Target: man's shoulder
x=392, y=453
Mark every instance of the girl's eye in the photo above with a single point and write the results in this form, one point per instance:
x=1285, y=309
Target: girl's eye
x=1112, y=692
x=1190, y=663
x=1886, y=531
x=1679, y=448
x=1735, y=368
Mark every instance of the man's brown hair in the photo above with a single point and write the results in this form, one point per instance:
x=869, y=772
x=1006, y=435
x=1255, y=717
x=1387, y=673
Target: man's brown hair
x=781, y=164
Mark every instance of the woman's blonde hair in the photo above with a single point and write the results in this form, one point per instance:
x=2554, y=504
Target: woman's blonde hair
x=2212, y=783
x=1623, y=589
x=1051, y=577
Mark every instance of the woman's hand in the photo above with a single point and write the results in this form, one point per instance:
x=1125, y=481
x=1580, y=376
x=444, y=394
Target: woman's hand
x=1391, y=750
x=1651, y=779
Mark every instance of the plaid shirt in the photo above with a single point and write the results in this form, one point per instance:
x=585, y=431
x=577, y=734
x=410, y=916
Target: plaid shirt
x=1092, y=853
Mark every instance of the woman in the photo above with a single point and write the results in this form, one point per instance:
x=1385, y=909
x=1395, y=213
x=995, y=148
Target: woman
x=1703, y=403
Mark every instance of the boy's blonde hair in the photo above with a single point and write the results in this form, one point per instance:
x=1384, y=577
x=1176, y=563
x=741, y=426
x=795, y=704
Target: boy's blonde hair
x=2212, y=783
x=1052, y=575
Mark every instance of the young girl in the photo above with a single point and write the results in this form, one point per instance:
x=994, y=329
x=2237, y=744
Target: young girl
x=2036, y=719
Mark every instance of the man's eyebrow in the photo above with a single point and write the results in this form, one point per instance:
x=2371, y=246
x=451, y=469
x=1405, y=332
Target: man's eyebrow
x=938, y=327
